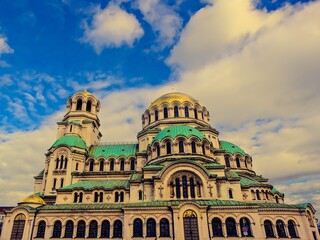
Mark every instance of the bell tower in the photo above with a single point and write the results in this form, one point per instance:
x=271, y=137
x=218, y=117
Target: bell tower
x=82, y=118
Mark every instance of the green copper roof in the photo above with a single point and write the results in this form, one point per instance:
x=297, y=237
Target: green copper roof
x=274, y=191
x=89, y=185
x=136, y=177
x=231, y=148
x=156, y=167
x=178, y=130
x=232, y=175
x=115, y=150
x=70, y=141
x=41, y=173
x=247, y=182
x=75, y=122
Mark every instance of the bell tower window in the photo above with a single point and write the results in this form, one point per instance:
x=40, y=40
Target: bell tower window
x=181, y=147
x=168, y=145
x=165, y=113
x=186, y=112
x=79, y=104
x=156, y=115
x=176, y=111
x=89, y=106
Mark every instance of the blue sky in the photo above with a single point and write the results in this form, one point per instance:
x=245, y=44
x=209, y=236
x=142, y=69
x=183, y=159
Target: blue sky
x=253, y=64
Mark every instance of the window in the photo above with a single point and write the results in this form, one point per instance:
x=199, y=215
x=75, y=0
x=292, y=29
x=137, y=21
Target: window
x=101, y=197
x=69, y=229
x=132, y=165
x=93, y=229
x=151, y=228
x=57, y=163
x=165, y=113
x=176, y=111
x=122, y=165
x=121, y=196
x=156, y=115
x=292, y=229
x=181, y=147
x=101, y=166
x=203, y=149
x=231, y=227
x=65, y=163
x=217, y=228
x=192, y=190
x=164, y=228
x=140, y=195
x=71, y=128
x=184, y=187
x=61, y=182
x=81, y=229
x=195, y=113
x=186, y=111
x=89, y=105
x=178, y=193
x=277, y=199
x=149, y=118
x=268, y=229
x=75, y=197
x=57, y=229
x=158, y=150
x=245, y=227
x=61, y=162
x=116, y=197
x=168, y=145
x=41, y=229
x=227, y=160
x=137, y=228
x=79, y=104
x=193, y=147
x=54, y=184
x=91, y=166
x=105, y=229
x=112, y=165
x=117, y=229
x=238, y=162
x=77, y=166
x=258, y=195
x=95, y=197
x=280, y=229
x=267, y=195
x=230, y=193
x=18, y=227
x=80, y=197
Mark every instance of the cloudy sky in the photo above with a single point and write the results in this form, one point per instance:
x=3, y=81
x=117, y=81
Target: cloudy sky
x=255, y=65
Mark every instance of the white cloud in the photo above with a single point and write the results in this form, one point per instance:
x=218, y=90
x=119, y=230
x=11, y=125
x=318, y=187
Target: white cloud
x=163, y=19
x=112, y=27
x=4, y=47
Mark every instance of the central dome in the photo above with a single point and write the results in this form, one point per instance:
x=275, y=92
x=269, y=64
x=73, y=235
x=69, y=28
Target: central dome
x=173, y=97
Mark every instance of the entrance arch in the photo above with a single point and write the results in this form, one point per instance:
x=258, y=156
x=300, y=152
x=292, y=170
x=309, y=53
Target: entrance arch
x=18, y=227
x=190, y=222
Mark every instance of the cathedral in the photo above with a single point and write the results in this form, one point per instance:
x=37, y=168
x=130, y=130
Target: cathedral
x=179, y=181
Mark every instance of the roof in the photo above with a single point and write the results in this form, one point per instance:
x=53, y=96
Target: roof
x=231, y=148
x=275, y=191
x=173, y=97
x=232, y=175
x=89, y=185
x=113, y=150
x=178, y=130
x=32, y=199
x=247, y=182
x=70, y=141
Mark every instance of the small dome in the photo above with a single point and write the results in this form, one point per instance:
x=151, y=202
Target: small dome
x=85, y=93
x=70, y=141
x=178, y=130
x=32, y=199
x=231, y=148
x=173, y=97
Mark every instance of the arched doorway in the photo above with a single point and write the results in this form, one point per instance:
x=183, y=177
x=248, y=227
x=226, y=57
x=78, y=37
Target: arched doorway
x=18, y=227
x=190, y=222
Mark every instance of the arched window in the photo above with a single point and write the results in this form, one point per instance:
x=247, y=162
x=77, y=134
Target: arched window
x=91, y=165
x=57, y=227
x=230, y=193
x=95, y=197
x=75, y=197
x=203, y=149
x=80, y=197
x=186, y=111
x=81, y=229
x=140, y=195
x=71, y=128
x=101, y=165
x=105, y=229
x=195, y=113
x=227, y=160
x=258, y=194
x=112, y=165
x=181, y=147
x=101, y=197
x=176, y=111
x=137, y=228
x=280, y=229
x=18, y=227
x=277, y=199
x=41, y=229
x=57, y=163
x=268, y=229
x=149, y=118
x=168, y=146
x=54, y=184
x=122, y=165
x=77, y=166
x=93, y=229
x=61, y=162
x=158, y=150
x=61, y=182
x=165, y=112
x=231, y=227
x=245, y=163
x=193, y=147
x=292, y=229
x=267, y=195
x=65, y=163
x=178, y=193
x=192, y=190
x=184, y=186
x=89, y=105
x=164, y=228
x=69, y=229
x=79, y=104
x=253, y=195
x=121, y=196
x=245, y=227
x=117, y=229
x=132, y=165
x=156, y=115
x=238, y=162
x=151, y=228
x=202, y=115
x=116, y=197
x=217, y=227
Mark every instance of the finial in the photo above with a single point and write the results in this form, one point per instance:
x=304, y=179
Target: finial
x=85, y=89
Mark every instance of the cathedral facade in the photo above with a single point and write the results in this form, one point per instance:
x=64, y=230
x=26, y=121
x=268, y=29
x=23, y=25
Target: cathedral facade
x=178, y=181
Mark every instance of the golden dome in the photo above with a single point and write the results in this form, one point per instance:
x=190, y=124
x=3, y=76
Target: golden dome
x=173, y=97
x=32, y=199
x=85, y=93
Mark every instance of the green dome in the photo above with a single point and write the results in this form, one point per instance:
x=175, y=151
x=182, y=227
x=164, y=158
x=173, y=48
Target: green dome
x=231, y=148
x=70, y=141
x=178, y=130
